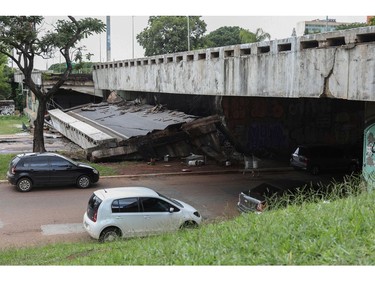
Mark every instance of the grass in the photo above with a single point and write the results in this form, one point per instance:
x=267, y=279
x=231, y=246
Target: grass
x=338, y=230
x=4, y=164
x=12, y=124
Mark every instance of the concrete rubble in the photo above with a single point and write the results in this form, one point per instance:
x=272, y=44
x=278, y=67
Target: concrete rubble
x=139, y=131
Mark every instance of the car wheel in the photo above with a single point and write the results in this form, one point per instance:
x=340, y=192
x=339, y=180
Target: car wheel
x=83, y=181
x=315, y=170
x=189, y=224
x=24, y=184
x=110, y=234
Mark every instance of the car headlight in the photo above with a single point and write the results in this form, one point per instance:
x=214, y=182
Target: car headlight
x=197, y=214
x=95, y=171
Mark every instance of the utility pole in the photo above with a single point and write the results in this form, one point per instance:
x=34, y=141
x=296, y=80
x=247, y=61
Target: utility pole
x=132, y=37
x=108, y=22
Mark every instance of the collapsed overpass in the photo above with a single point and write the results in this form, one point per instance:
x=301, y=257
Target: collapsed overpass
x=274, y=94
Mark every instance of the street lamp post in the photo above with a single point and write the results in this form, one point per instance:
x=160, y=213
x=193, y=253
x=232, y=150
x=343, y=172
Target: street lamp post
x=132, y=37
x=188, y=33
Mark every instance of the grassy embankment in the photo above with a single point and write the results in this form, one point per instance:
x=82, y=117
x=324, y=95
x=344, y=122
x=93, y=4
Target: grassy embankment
x=320, y=229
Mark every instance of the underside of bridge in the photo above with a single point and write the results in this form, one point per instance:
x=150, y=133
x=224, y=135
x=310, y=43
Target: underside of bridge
x=67, y=98
x=273, y=127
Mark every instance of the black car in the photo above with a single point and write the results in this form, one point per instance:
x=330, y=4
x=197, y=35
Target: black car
x=316, y=158
x=41, y=169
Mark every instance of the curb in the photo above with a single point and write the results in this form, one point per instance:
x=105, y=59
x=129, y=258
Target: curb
x=213, y=172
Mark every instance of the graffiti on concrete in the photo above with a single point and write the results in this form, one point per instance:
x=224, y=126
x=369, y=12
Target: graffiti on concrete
x=263, y=135
x=7, y=107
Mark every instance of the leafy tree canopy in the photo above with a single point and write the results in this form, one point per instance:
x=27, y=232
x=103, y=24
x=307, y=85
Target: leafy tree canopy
x=350, y=25
x=356, y=24
x=169, y=34
x=25, y=35
x=5, y=73
x=232, y=35
x=81, y=67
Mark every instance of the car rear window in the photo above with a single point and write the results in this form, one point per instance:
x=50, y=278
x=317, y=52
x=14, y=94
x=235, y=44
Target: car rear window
x=14, y=161
x=125, y=205
x=93, y=206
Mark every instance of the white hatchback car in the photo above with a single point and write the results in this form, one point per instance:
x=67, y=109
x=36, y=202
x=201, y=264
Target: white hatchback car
x=135, y=211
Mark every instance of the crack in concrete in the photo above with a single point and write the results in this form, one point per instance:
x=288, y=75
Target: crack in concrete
x=326, y=92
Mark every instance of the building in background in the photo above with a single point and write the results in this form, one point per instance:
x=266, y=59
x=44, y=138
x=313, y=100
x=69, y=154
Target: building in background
x=317, y=26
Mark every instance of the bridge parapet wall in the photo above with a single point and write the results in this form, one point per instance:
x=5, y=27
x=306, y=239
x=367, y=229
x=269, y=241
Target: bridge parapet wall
x=337, y=64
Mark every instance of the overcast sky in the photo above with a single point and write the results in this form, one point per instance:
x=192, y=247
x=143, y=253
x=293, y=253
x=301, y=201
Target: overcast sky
x=278, y=19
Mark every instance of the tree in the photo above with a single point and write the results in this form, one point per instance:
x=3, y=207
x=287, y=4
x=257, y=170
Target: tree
x=84, y=67
x=249, y=37
x=232, y=35
x=223, y=36
x=24, y=35
x=5, y=88
x=350, y=25
x=169, y=34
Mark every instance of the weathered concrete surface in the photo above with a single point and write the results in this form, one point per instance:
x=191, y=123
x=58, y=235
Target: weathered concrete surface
x=338, y=64
x=85, y=135
x=23, y=142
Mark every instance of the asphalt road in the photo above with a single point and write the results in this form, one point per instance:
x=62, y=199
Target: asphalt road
x=54, y=214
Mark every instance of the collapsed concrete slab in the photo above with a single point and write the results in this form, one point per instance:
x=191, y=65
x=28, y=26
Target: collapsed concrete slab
x=178, y=140
x=131, y=131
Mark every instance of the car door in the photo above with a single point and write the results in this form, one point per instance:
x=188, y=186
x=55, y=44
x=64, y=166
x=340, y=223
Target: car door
x=158, y=215
x=127, y=216
x=38, y=169
x=62, y=171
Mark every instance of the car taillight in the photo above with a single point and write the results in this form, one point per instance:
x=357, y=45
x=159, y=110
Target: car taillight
x=261, y=207
x=304, y=159
x=13, y=170
x=95, y=216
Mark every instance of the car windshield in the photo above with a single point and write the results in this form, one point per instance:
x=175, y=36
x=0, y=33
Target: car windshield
x=170, y=199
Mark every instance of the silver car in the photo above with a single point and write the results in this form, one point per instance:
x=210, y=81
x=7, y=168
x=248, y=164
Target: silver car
x=255, y=199
x=135, y=211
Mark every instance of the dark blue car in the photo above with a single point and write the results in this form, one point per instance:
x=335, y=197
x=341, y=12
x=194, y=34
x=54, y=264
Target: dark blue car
x=43, y=169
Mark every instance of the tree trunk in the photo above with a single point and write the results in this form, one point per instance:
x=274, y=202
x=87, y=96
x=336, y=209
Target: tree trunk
x=38, y=143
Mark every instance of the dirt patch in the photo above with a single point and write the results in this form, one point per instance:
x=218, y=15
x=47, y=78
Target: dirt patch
x=172, y=166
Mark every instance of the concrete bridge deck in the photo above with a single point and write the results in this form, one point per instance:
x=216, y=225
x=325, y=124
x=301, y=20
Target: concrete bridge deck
x=337, y=64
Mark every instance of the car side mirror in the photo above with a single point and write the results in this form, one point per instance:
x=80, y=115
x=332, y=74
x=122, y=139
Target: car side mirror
x=171, y=209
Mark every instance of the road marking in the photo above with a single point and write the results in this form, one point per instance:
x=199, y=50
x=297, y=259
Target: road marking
x=68, y=228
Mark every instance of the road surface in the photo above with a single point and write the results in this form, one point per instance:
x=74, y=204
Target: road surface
x=54, y=214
